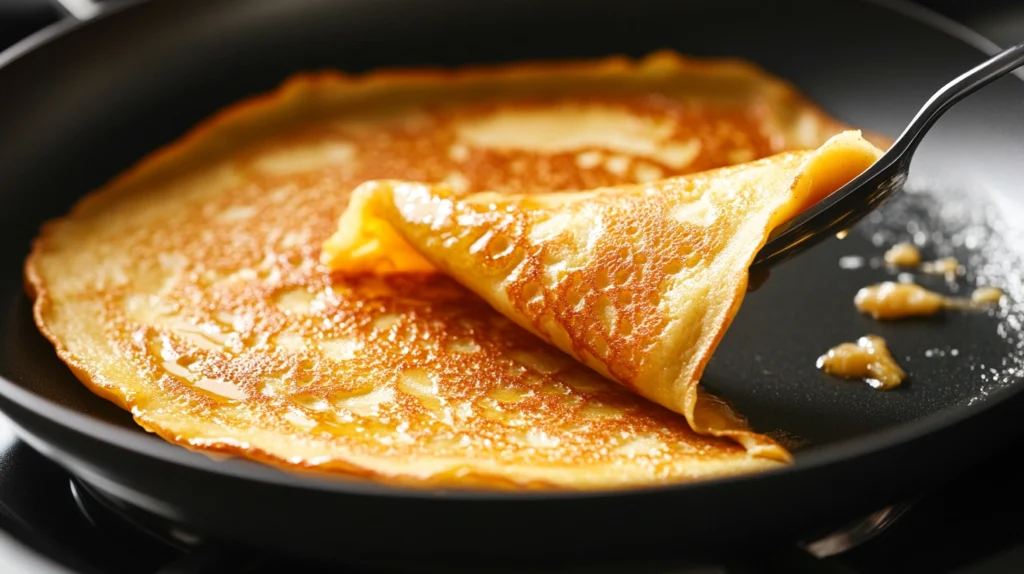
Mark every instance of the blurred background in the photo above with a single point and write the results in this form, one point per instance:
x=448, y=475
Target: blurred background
x=1002, y=21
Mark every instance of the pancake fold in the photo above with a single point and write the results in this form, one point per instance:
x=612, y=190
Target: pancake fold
x=638, y=282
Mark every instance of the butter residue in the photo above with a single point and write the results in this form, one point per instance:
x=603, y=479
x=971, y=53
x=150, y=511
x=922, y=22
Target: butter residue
x=892, y=300
x=906, y=254
x=947, y=266
x=868, y=359
x=903, y=255
x=986, y=295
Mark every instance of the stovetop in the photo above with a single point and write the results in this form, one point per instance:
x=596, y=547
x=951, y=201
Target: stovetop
x=973, y=524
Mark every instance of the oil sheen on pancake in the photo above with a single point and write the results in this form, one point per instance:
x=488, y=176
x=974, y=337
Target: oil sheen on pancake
x=190, y=291
x=639, y=281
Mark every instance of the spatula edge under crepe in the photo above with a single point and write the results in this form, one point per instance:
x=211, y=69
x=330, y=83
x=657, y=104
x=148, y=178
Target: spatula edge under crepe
x=638, y=282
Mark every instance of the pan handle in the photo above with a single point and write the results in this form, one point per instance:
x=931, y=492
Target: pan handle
x=80, y=10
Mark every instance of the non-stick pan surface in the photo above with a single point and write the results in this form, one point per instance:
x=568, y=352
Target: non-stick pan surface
x=79, y=106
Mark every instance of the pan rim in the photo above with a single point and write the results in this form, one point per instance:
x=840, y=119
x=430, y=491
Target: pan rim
x=153, y=447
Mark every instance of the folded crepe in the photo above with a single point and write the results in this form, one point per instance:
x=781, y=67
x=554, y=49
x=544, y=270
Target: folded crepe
x=638, y=282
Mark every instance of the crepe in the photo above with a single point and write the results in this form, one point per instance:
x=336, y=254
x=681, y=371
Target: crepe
x=638, y=282
x=190, y=292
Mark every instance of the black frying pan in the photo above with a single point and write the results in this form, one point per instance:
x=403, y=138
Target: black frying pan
x=80, y=103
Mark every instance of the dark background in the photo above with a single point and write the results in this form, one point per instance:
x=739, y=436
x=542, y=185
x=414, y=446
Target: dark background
x=1002, y=21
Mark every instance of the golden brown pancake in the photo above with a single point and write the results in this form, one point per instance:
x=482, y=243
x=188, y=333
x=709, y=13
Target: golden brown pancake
x=638, y=281
x=190, y=292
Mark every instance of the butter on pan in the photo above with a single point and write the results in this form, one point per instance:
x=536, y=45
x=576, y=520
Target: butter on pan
x=638, y=282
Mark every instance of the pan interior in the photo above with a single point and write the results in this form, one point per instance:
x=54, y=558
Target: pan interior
x=767, y=360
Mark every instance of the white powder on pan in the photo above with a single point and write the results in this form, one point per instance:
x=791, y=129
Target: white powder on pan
x=975, y=227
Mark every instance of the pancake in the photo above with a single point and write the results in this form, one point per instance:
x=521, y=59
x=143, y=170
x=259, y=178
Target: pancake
x=189, y=290
x=638, y=282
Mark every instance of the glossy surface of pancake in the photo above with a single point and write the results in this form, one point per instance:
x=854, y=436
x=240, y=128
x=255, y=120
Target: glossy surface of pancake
x=190, y=290
x=638, y=282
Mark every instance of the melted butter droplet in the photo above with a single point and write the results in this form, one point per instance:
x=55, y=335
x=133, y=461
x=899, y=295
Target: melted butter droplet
x=868, y=359
x=947, y=266
x=903, y=255
x=891, y=300
x=987, y=295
